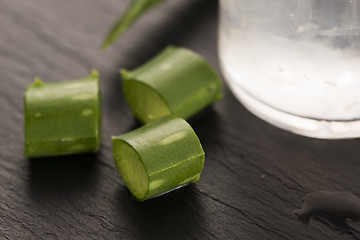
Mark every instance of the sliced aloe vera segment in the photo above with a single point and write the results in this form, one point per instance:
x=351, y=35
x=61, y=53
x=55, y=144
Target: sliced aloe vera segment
x=176, y=82
x=62, y=118
x=136, y=9
x=158, y=157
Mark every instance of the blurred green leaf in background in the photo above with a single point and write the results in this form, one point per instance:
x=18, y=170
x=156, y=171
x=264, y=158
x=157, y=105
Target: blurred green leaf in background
x=136, y=9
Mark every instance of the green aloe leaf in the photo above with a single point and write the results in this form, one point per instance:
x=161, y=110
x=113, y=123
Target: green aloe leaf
x=177, y=81
x=158, y=157
x=62, y=118
x=136, y=9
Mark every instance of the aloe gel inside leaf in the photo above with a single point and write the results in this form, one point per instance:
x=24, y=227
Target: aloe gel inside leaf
x=132, y=169
x=146, y=103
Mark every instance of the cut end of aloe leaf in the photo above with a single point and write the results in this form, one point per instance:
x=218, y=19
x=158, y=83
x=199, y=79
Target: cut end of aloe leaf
x=131, y=169
x=146, y=103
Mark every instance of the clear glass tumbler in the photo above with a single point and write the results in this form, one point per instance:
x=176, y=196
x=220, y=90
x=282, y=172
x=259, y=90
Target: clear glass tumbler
x=295, y=63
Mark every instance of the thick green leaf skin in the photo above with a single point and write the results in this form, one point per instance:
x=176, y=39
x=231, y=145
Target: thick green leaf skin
x=136, y=9
x=169, y=151
x=184, y=81
x=62, y=118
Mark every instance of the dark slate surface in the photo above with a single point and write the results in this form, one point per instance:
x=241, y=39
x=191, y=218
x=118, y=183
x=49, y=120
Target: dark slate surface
x=255, y=175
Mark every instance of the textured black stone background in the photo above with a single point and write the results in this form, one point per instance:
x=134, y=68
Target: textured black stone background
x=255, y=174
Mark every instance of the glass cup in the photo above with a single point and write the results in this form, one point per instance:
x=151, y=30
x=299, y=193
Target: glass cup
x=295, y=63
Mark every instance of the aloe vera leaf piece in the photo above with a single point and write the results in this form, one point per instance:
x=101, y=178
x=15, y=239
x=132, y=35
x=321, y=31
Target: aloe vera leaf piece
x=136, y=9
x=176, y=82
x=62, y=118
x=158, y=157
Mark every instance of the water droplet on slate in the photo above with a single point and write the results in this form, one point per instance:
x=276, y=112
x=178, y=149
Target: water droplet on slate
x=331, y=208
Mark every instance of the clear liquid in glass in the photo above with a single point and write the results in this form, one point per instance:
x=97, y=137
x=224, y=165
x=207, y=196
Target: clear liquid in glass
x=295, y=64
